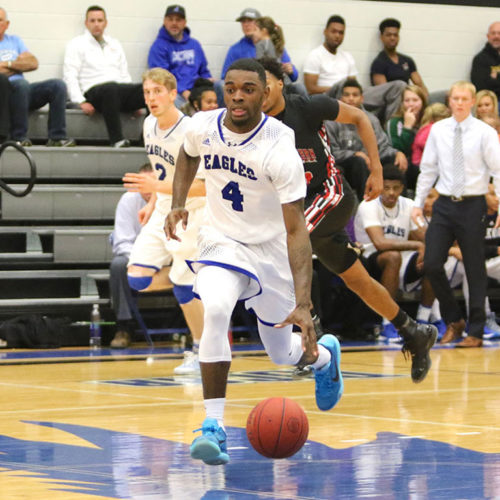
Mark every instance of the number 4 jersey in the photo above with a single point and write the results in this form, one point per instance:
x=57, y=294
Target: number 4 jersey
x=248, y=176
x=162, y=148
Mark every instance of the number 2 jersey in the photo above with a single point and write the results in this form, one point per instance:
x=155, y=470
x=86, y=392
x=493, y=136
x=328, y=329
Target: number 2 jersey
x=162, y=148
x=246, y=181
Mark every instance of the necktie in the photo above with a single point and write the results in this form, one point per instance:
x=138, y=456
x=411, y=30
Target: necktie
x=458, y=164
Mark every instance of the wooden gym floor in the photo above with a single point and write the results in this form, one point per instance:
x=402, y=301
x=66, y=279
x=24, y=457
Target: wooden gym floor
x=76, y=425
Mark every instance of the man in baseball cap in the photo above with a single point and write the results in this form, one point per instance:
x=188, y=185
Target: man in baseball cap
x=177, y=10
x=248, y=14
x=176, y=51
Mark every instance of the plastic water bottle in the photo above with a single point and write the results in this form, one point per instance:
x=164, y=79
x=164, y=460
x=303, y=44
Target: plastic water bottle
x=95, y=327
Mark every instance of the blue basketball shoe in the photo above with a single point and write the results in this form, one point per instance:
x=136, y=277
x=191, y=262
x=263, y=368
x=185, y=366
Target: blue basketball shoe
x=329, y=382
x=389, y=333
x=211, y=445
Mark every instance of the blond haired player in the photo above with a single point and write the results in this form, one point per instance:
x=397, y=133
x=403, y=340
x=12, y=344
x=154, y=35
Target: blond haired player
x=164, y=131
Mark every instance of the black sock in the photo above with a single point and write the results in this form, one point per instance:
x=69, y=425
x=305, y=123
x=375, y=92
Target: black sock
x=401, y=320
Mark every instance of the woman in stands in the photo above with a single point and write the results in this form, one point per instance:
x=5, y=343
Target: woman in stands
x=403, y=126
x=486, y=105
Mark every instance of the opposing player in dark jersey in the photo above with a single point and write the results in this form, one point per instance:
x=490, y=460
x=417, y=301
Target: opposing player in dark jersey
x=330, y=201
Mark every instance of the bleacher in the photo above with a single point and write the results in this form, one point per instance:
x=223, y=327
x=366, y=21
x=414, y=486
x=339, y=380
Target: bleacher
x=54, y=244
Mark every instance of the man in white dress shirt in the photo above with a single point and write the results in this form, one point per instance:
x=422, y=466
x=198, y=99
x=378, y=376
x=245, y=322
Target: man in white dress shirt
x=97, y=77
x=462, y=153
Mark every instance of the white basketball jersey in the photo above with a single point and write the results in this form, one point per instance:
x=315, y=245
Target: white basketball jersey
x=162, y=148
x=396, y=221
x=246, y=181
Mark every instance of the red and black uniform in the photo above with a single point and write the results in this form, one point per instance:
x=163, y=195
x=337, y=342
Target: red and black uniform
x=329, y=200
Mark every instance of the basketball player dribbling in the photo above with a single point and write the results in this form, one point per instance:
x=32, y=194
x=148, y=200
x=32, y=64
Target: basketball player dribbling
x=254, y=245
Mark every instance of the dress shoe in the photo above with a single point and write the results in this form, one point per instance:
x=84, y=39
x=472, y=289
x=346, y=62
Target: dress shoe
x=470, y=341
x=121, y=340
x=453, y=331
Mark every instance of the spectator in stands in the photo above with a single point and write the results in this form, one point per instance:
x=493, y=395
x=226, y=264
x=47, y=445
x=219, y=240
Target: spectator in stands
x=327, y=67
x=268, y=39
x=127, y=228
x=21, y=96
x=246, y=47
x=390, y=65
x=493, y=121
x=486, y=104
x=394, y=245
x=432, y=114
x=461, y=154
x=176, y=51
x=201, y=98
x=403, y=126
x=96, y=73
x=347, y=147
x=485, y=72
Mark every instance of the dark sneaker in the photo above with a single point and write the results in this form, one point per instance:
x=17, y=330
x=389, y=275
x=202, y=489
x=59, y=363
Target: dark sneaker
x=211, y=445
x=417, y=342
x=61, y=143
x=329, y=382
x=25, y=143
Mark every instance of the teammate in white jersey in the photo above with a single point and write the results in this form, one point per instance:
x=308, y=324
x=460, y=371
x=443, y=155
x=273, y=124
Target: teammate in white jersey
x=164, y=131
x=394, y=245
x=254, y=247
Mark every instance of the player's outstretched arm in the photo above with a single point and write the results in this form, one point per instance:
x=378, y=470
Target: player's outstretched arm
x=300, y=257
x=185, y=171
x=357, y=117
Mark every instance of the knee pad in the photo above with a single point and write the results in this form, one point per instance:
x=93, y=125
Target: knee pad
x=183, y=293
x=139, y=282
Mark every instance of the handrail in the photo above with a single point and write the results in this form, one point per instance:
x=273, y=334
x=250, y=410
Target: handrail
x=32, y=165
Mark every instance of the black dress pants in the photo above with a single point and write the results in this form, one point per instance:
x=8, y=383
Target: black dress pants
x=465, y=222
x=111, y=98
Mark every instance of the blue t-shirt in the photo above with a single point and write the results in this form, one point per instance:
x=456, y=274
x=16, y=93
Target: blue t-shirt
x=10, y=48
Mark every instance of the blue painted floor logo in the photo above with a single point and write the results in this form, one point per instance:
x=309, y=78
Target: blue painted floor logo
x=125, y=465
x=248, y=377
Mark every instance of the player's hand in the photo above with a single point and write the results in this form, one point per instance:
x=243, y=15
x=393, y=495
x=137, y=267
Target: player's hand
x=301, y=316
x=401, y=161
x=144, y=214
x=175, y=215
x=139, y=183
x=373, y=186
x=87, y=108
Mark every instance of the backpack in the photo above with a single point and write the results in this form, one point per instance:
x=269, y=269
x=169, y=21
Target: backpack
x=33, y=331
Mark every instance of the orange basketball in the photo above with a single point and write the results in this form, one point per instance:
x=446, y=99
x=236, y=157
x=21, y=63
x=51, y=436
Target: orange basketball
x=277, y=427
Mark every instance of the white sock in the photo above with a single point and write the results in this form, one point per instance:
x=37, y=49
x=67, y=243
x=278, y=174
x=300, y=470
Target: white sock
x=435, y=312
x=215, y=409
x=324, y=357
x=423, y=313
x=385, y=321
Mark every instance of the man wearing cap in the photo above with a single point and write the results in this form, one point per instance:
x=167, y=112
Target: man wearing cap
x=175, y=51
x=245, y=47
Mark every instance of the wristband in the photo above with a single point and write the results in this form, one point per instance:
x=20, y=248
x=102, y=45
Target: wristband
x=9, y=64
